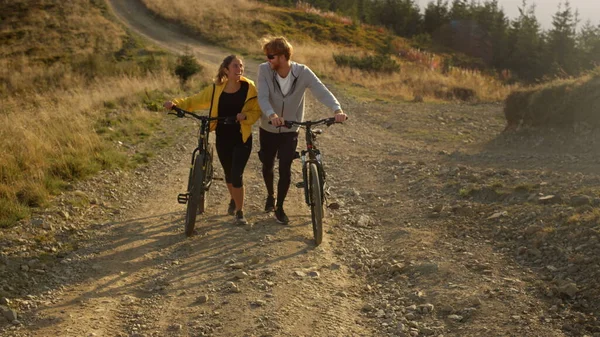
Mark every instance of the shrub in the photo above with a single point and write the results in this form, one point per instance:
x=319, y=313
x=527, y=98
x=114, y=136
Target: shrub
x=559, y=104
x=187, y=66
x=372, y=63
x=456, y=93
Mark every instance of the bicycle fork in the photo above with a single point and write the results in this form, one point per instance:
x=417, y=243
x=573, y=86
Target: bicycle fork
x=305, y=173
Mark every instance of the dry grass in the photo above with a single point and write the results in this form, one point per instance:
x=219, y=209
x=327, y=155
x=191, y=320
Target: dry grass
x=72, y=83
x=41, y=40
x=412, y=81
x=226, y=23
x=51, y=138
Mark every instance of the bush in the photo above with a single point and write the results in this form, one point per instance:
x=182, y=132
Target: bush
x=456, y=93
x=187, y=66
x=373, y=63
x=560, y=104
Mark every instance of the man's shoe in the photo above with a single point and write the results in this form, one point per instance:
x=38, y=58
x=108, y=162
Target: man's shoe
x=270, y=204
x=231, y=209
x=280, y=216
x=239, y=218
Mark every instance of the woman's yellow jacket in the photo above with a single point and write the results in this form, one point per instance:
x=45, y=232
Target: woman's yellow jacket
x=202, y=101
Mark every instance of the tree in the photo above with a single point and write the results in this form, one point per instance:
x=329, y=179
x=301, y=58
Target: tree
x=460, y=10
x=588, y=45
x=491, y=18
x=401, y=16
x=526, y=45
x=363, y=11
x=562, y=40
x=436, y=15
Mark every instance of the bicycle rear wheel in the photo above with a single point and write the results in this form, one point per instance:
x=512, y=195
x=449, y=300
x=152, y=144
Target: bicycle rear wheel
x=316, y=203
x=196, y=195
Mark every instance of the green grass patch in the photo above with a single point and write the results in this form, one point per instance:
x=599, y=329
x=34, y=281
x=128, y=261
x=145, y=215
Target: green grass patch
x=142, y=157
x=111, y=158
x=464, y=192
x=525, y=188
x=78, y=199
x=11, y=212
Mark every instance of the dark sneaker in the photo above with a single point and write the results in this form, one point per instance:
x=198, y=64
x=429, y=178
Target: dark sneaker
x=239, y=218
x=231, y=209
x=280, y=216
x=270, y=204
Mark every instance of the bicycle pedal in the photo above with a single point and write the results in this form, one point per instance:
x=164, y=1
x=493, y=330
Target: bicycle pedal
x=182, y=198
x=300, y=184
x=217, y=178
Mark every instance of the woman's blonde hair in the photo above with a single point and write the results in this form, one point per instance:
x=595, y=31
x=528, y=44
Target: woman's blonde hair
x=221, y=75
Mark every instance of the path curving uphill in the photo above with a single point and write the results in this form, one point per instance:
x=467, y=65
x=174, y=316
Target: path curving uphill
x=135, y=15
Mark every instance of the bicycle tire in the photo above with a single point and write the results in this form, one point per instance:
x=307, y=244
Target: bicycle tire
x=196, y=195
x=316, y=202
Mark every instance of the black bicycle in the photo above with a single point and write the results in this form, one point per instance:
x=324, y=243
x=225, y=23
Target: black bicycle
x=201, y=169
x=313, y=173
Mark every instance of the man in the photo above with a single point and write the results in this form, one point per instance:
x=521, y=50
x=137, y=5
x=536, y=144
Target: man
x=281, y=87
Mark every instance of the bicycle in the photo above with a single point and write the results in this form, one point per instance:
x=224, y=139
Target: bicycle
x=313, y=173
x=201, y=169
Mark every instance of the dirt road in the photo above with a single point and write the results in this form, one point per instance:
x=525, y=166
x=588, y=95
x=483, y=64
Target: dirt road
x=171, y=36
x=445, y=228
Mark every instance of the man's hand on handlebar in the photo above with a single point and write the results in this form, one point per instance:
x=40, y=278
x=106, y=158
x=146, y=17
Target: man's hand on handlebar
x=276, y=120
x=340, y=116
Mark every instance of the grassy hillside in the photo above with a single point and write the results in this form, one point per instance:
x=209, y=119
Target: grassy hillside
x=559, y=104
x=242, y=25
x=51, y=45
x=77, y=93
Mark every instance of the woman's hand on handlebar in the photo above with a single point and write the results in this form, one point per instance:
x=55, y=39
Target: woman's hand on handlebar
x=240, y=117
x=168, y=105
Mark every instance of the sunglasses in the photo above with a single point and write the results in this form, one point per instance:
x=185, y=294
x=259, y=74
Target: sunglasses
x=271, y=56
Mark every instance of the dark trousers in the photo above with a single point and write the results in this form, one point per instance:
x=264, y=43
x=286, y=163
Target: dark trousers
x=273, y=145
x=234, y=154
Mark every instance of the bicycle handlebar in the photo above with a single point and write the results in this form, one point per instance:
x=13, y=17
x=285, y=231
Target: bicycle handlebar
x=181, y=113
x=327, y=121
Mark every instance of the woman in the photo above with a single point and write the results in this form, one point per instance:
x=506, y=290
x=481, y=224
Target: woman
x=232, y=95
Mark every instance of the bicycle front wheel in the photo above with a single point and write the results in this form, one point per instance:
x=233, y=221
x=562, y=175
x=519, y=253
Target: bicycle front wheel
x=207, y=179
x=316, y=203
x=196, y=195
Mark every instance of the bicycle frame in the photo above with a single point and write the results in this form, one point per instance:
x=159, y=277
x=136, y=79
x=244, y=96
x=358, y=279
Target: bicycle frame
x=311, y=162
x=314, y=155
x=202, y=146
